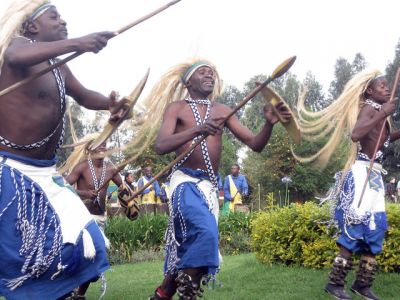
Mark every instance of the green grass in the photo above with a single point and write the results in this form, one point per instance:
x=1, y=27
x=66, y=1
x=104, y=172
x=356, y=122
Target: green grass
x=242, y=277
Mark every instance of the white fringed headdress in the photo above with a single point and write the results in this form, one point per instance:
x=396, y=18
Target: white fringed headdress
x=336, y=121
x=170, y=88
x=13, y=20
x=79, y=154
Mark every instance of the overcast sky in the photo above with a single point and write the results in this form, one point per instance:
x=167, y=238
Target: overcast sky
x=243, y=38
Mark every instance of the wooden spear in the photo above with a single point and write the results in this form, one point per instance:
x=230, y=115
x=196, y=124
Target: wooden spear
x=278, y=72
x=378, y=142
x=76, y=54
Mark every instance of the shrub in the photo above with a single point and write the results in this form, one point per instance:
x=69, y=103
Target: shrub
x=127, y=237
x=234, y=233
x=302, y=235
x=389, y=259
x=143, y=239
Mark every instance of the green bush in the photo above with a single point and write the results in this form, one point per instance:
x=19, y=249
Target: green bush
x=389, y=259
x=234, y=233
x=127, y=237
x=301, y=234
x=143, y=239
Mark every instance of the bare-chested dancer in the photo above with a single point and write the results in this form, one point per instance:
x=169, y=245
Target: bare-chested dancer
x=89, y=176
x=358, y=116
x=192, y=235
x=49, y=242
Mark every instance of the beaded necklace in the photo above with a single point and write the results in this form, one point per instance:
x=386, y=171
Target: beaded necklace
x=96, y=183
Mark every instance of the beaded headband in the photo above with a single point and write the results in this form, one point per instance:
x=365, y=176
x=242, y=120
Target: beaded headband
x=40, y=11
x=190, y=71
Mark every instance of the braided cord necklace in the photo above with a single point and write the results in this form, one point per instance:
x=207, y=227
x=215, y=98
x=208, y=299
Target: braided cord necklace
x=96, y=183
x=206, y=156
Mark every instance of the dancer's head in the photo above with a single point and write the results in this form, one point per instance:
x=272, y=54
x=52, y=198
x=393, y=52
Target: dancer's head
x=378, y=90
x=173, y=86
x=45, y=24
x=199, y=79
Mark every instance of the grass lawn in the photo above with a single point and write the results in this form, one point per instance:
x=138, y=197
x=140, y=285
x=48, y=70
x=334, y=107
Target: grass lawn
x=242, y=277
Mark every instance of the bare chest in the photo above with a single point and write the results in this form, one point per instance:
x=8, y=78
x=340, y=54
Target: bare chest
x=93, y=177
x=188, y=118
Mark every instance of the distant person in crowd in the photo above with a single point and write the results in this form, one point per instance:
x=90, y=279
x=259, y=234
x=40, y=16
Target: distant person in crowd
x=151, y=195
x=130, y=181
x=235, y=187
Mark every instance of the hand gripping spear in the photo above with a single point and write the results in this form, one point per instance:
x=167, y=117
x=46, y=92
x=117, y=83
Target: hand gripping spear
x=278, y=72
x=110, y=128
x=378, y=142
x=76, y=54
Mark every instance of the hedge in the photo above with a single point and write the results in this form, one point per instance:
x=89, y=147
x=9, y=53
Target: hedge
x=129, y=239
x=303, y=235
x=234, y=233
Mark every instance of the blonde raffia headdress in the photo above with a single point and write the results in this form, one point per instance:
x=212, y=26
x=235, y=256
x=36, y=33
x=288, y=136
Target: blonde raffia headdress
x=79, y=154
x=336, y=121
x=170, y=88
x=13, y=21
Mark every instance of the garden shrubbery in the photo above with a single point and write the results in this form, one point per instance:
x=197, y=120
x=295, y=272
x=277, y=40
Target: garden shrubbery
x=390, y=256
x=301, y=234
x=234, y=233
x=142, y=239
x=130, y=239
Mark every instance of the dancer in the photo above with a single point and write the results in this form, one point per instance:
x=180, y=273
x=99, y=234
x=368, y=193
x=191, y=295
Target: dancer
x=354, y=121
x=89, y=175
x=49, y=242
x=186, y=95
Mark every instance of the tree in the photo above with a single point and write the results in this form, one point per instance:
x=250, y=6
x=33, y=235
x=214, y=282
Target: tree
x=392, y=66
x=287, y=87
x=391, y=70
x=309, y=179
x=150, y=158
x=231, y=96
x=275, y=161
x=315, y=96
x=344, y=71
x=252, y=116
x=228, y=156
x=359, y=63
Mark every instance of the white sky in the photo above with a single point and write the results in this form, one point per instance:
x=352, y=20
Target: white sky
x=243, y=38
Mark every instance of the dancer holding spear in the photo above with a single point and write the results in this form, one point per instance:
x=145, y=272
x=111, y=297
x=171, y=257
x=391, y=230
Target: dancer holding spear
x=191, y=124
x=356, y=120
x=49, y=242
